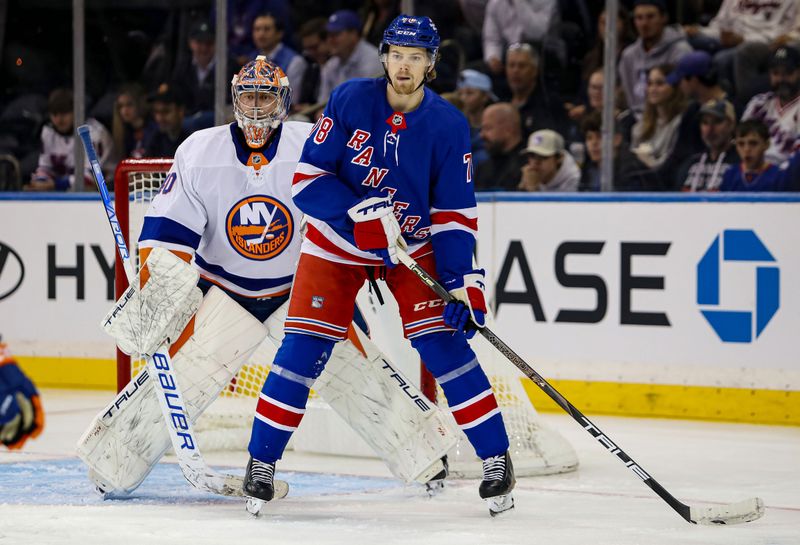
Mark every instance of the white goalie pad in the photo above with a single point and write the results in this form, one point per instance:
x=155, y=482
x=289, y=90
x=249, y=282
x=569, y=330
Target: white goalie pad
x=142, y=319
x=405, y=429
x=129, y=436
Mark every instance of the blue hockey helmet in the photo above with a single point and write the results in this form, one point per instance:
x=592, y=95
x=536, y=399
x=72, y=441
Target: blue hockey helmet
x=410, y=31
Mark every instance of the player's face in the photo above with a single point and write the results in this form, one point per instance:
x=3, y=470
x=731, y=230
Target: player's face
x=407, y=67
x=258, y=105
x=751, y=148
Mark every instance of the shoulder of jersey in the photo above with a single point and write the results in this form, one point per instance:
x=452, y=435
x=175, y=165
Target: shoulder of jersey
x=446, y=111
x=293, y=137
x=207, y=143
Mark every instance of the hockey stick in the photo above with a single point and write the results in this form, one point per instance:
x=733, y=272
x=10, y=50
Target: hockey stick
x=733, y=513
x=160, y=369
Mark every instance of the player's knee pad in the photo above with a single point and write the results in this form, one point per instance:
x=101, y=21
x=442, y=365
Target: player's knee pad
x=443, y=352
x=303, y=355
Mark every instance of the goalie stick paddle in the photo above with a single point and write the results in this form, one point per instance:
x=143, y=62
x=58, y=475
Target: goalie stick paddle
x=732, y=513
x=170, y=396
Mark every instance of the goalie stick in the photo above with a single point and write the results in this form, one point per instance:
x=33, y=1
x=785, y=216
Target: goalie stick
x=732, y=513
x=159, y=366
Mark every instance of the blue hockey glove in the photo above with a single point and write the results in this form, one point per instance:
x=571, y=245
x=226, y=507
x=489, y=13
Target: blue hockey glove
x=468, y=312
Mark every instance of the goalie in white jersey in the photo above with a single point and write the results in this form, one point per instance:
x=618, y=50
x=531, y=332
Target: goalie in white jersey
x=226, y=207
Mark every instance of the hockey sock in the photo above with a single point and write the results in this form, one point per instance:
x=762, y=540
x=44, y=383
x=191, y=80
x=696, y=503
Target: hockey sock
x=469, y=393
x=282, y=402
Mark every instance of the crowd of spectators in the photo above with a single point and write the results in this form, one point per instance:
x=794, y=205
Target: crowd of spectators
x=707, y=96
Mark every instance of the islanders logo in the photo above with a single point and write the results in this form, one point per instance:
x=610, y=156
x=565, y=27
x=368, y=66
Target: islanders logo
x=259, y=227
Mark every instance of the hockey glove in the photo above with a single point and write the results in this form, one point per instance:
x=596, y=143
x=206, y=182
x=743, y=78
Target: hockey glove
x=21, y=414
x=468, y=312
x=376, y=229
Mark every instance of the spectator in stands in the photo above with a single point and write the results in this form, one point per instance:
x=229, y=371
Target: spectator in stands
x=549, y=166
x=594, y=58
x=538, y=108
x=314, y=41
x=657, y=44
x=475, y=92
x=752, y=59
x=738, y=23
x=779, y=109
x=195, y=77
x=351, y=56
x=268, y=38
x=241, y=14
x=56, y=168
x=167, y=105
x=377, y=14
x=624, y=118
x=696, y=77
x=132, y=124
x=755, y=172
x=654, y=136
x=506, y=23
x=703, y=171
x=501, y=133
x=629, y=174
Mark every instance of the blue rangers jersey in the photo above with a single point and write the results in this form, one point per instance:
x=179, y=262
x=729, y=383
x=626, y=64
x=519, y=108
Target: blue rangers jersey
x=362, y=148
x=231, y=207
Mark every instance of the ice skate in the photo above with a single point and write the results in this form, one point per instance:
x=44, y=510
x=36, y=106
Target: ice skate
x=258, y=484
x=497, y=484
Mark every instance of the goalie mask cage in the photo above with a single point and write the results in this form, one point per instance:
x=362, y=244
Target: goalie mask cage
x=535, y=449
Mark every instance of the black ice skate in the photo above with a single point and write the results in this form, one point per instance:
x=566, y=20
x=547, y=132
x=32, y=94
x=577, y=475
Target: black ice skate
x=436, y=483
x=497, y=484
x=258, y=484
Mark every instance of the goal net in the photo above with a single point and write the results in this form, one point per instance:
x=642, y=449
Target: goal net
x=536, y=449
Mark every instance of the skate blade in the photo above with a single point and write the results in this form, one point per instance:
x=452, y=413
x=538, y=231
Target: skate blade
x=434, y=488
x=500, y=504
x=254, y=506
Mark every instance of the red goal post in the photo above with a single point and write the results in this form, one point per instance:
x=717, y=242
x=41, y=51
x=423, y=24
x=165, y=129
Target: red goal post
x=132, y=178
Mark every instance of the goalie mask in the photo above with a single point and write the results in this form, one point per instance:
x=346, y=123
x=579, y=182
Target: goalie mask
x=261, y=99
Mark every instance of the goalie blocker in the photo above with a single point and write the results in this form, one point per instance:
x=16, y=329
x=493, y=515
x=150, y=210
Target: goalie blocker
x=128, y=437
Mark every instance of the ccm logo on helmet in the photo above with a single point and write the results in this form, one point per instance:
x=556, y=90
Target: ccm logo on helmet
x=259, y=227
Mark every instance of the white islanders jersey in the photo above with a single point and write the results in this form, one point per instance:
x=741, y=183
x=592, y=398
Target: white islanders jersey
x=232, y=208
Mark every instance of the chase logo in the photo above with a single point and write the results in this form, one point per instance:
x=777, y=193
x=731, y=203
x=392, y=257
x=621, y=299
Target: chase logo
x=738, y=325
x=259, y=227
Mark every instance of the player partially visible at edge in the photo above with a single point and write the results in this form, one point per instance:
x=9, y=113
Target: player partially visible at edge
x=388, y=166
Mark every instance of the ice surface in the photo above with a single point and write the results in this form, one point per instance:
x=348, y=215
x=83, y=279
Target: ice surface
x=45, y=497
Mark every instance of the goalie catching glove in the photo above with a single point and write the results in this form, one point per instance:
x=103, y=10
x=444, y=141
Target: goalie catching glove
x=468, y=312
x=21, y=414
x=376, y=229
x=144, y=318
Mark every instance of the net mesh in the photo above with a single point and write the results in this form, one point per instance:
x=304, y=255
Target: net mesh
x=226, y=424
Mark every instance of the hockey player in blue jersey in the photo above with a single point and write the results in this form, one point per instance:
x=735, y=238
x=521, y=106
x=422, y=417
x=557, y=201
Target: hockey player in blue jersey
x=388, y=166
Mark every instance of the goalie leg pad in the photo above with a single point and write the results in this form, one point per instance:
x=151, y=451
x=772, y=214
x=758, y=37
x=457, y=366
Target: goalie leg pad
x=468, y=390
x=144, y=318
x=129, y=436
x=407, y=431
